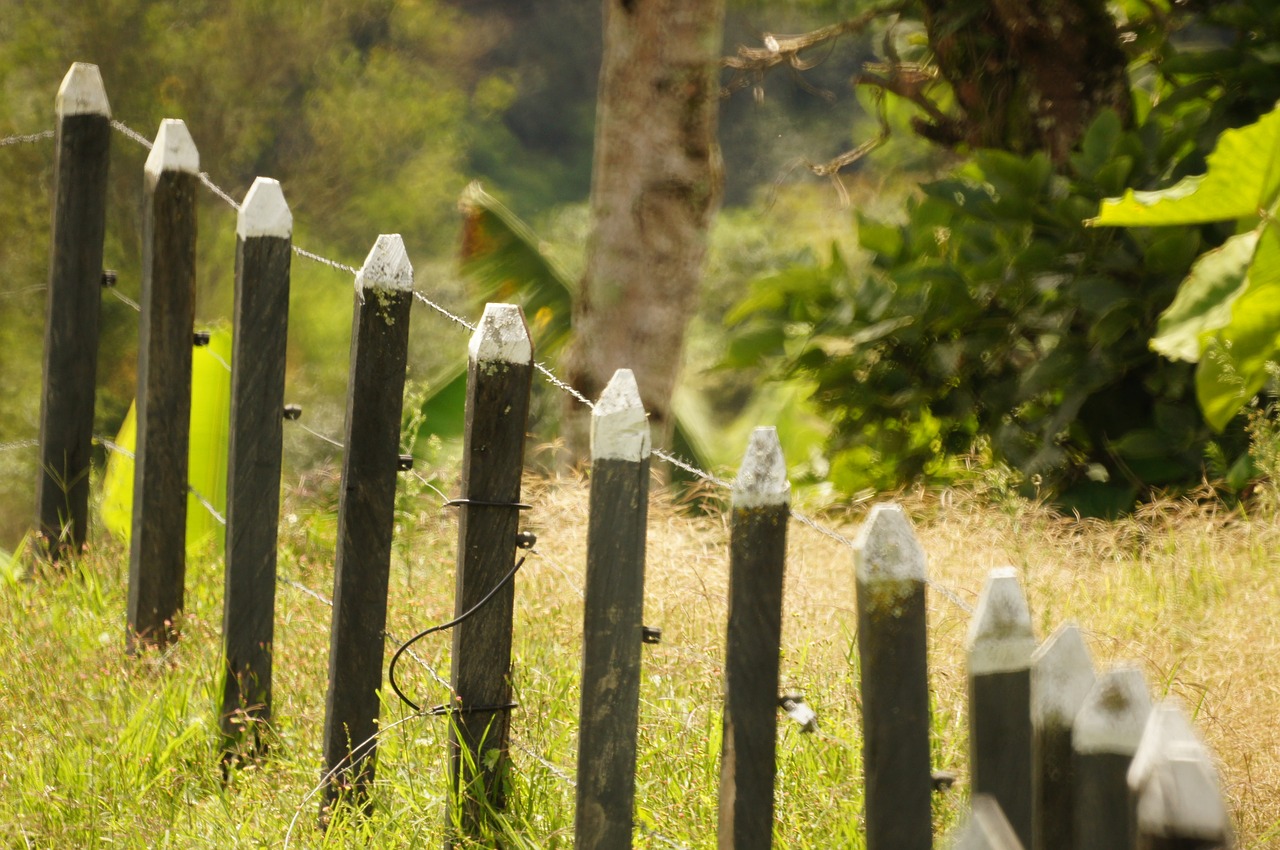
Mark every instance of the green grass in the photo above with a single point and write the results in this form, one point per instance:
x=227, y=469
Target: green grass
x=102, y=749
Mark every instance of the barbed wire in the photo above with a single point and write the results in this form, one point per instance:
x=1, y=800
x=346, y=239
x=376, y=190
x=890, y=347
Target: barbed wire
x=120, y=296
x=550, y=376
x=129, y=132
x=116, y=448
x=18, y=444
x=26, y=139
x=23, y=290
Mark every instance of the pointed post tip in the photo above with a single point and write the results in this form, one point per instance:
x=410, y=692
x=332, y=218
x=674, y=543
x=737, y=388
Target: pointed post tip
x=502, y=336
x=887, y=549
x=174, y=150
x=1114, y=714
x=762, y=478
x=1174, y=780
x=82, y=92
x=1001, y=638
x=1062, y=676
x=387, y=266
x=264, y=211
x=619, y=424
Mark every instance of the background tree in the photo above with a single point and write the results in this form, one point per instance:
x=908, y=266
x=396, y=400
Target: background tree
x=656, y=184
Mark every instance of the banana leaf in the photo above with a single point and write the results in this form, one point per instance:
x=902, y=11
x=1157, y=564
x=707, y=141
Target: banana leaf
x=206, y=455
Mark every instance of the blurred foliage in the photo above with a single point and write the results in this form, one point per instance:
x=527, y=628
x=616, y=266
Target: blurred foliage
x=993, y=321
x=1226, y=313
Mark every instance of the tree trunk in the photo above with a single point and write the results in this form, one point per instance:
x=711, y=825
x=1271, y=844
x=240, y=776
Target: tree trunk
x=655, y=188
x=1027, y=74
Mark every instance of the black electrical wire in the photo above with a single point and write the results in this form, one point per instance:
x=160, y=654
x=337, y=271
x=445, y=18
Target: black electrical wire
x=391, y=670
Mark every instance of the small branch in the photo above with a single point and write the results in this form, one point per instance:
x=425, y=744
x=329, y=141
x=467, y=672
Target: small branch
x=752, y=63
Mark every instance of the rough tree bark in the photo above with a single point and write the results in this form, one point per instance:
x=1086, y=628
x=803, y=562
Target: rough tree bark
x=655, y=190
x=1027, y=74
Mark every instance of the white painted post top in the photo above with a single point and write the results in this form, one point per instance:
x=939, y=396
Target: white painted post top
x=1114, y=714
x=619, y=424
x=1175, y=781
x=1062, y=676
x=1001, y=639
x=174, y=150
x=502, y=336
x=386, y=267
x=82, y=92
x=264, y=211
x=887, y=549
x=762, y=478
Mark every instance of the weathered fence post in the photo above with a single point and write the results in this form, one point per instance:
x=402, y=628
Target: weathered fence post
x=1173, y=786
x=261, y=317
x=499, y=380
x=157, y=552
x=1105, y=737
x=892, y=649
x=987, y=828
x=760, y=504
x=366, y=516
x=612, y=629
x=1000, y=645
x=73, y=301
x=1061, y=677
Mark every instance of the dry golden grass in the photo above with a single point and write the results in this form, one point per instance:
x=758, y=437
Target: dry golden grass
x=1186, y=589
x=106, y=748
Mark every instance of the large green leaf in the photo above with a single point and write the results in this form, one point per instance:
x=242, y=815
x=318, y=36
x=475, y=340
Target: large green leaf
x=1242, y=180
x=1204, y=300
x=206, y=452
x=1234, y=365
x=502, y=253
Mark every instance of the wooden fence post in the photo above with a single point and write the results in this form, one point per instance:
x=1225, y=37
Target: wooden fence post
x=72, y=312
x=1105, y=737
x=157, y=551
x=1000, y=645
x=366, y=516
x=987, y=828
x=611, y=633
x=760, y=504
x=499, y=380
x=1061, y=677
x=892, y=649
x=261, y=324
x=1174, y=789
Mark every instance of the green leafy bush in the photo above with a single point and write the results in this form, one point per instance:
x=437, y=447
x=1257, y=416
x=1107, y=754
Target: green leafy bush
x=994, y=318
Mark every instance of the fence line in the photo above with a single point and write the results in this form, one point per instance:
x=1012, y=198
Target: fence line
x=547, y=374
x=946, y=592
